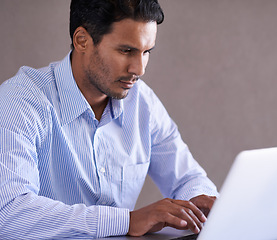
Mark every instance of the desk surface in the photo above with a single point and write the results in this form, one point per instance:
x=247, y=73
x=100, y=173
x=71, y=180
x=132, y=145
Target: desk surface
x=165, y=234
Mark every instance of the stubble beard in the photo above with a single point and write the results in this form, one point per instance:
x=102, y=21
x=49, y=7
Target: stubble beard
x=99, y=79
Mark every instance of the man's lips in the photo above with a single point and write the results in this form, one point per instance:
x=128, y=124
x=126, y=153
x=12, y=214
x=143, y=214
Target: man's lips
x=128, y=83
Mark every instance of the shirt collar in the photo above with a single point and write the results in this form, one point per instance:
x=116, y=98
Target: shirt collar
x=73, y=102
x=117, y=110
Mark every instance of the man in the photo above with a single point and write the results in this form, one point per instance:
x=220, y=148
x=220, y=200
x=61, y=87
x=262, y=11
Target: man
x=79, y=137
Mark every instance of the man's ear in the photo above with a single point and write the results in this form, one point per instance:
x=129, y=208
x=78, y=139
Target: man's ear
x=81, y=39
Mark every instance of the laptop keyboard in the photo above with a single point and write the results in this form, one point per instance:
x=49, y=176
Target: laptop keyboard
x=189, y=237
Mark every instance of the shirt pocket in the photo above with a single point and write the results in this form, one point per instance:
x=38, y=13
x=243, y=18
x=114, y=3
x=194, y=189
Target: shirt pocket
x=133, y=180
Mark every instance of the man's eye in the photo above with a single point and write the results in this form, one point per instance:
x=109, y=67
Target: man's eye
x=126, y=51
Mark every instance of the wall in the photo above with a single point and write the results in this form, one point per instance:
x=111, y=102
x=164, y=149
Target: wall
x=33, y=33
x=214, y=68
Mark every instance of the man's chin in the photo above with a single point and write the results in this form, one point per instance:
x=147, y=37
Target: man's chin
x=119, y=96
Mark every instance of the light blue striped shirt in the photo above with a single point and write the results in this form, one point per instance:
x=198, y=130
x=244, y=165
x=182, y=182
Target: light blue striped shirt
x=66, y=175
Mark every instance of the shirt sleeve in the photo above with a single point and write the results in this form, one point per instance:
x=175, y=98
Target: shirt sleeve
x=173, y=168
x=29, y=216
x=23, y=213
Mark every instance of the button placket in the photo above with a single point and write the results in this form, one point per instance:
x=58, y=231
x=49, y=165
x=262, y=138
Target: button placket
x=102, y=170
x=100, y=161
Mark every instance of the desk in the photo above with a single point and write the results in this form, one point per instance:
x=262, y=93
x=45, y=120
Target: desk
x=165, y=234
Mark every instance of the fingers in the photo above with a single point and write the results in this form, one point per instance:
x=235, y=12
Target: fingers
x=190, y=213
x=204, y=203
x=167, y=212
x=191, y=208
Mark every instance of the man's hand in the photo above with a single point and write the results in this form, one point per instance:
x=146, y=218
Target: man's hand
x=167, y=212
x=204, y=203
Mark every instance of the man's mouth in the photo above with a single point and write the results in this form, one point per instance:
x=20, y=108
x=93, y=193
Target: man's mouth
x=128, y=83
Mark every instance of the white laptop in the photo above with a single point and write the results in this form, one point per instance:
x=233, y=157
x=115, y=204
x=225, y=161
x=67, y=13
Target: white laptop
x=247, y=206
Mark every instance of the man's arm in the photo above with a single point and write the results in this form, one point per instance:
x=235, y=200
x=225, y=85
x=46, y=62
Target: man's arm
x=23, y=213
x=173, y=168
x=34, y=217
x=177, y=175
x=26, y=215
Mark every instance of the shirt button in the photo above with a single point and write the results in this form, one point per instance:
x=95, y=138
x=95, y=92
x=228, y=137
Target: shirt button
x=102, y=170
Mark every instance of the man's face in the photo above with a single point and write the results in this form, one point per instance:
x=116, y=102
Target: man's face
x=114, y=65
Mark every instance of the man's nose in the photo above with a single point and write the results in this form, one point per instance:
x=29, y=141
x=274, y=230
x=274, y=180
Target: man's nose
x=137, y=65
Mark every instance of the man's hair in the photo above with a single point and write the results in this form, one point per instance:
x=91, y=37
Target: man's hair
x=97, y=16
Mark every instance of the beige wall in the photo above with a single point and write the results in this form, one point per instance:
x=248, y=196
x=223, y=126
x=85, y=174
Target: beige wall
x=214, y=68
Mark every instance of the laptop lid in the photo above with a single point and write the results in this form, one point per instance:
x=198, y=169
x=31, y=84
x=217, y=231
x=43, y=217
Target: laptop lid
x=247, y=206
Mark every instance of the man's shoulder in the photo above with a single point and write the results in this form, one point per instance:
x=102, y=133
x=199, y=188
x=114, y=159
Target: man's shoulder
x=143, y=90
x=29, y=90
x=142, y=97
x=145, y=93
x=29, y=80
x=143, y=86
x=29, y=76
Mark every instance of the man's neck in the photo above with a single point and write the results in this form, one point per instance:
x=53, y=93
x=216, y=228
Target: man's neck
x=99, y=108
x=96, y=99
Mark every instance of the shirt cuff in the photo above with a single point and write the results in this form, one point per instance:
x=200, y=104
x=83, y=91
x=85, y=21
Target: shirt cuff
x=112, y=221
x=198, y=187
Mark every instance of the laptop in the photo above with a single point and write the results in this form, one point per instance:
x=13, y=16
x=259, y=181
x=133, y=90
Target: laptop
x=247, y=206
